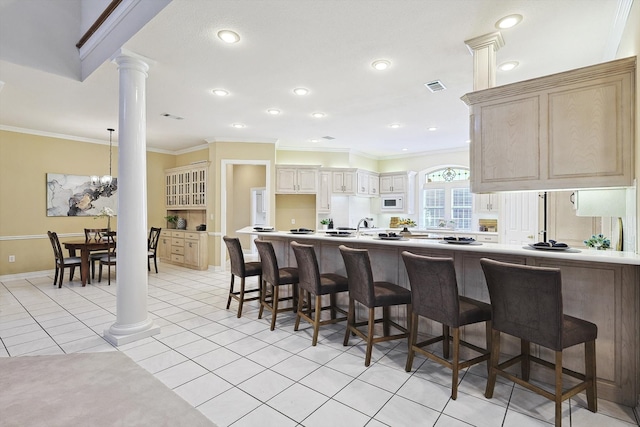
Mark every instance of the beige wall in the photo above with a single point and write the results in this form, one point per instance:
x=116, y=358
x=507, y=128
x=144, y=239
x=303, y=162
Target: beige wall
x=300, y=207
x=245, y=177
x=25, y=160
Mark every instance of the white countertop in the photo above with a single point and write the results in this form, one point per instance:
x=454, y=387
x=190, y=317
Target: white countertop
x=576, y=254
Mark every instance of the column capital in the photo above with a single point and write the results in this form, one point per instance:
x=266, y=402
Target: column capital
x=127, y=59
x=494, y=40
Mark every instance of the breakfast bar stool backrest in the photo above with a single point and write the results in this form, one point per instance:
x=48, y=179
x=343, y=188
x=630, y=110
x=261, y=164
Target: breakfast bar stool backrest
x=308, y=269
x=270, y=269
x=526, y=302
x=359, y=275
x=434, y=289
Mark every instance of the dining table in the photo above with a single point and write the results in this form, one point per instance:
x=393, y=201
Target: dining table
x=86, y=247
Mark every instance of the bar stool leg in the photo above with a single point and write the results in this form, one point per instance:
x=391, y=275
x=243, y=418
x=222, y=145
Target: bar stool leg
x=445, y=341
x=525, y=364
x=493, y=363
x=350, y=321
x=370, y=326
x=455, y=363
x=558, y=395
x=590, y=374
x=413, y=338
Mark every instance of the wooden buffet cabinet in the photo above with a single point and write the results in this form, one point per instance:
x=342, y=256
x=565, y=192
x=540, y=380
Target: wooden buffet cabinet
x=568, y=130
x=183, y=247
x=598, y=286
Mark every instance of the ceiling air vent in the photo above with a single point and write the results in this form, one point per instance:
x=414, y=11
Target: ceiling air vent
x=171, y=116
x=329, y=138
x=435, y=86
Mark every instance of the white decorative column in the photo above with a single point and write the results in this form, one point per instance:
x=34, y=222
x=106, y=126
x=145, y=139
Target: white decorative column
x=484, y=50
x=132, y=319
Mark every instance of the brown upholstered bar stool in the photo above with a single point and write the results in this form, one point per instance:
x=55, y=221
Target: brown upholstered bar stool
x=276, y=277
x=316, y=284
x=526, y=303
x=243, y=270
x=364, y=290
x=434, y=295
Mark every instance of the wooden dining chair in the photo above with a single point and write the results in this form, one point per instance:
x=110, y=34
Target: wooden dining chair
x=62, y=262
x=152, y=247
x=110, y=259
x=96, y=235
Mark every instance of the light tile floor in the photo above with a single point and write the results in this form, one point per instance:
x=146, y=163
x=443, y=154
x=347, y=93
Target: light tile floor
x=238, y=373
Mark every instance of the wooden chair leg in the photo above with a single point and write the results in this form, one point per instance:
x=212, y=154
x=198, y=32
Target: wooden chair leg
x=73, y=270
x=487, y=332
x=525, y=350
x=590, y=374
x=333, y=303
x=241, y=300
x=55, y=278
x=413, y=338
x=493, y=363
x=351, y=314
x=155, y=263
x=445, y=341
x=386, y=330
x=455, y=363
x=299, y=312
x=370, y=326
x=230, y=291
x=317, y=314
x=274, y=307
x=558, y=393
x=100, y=273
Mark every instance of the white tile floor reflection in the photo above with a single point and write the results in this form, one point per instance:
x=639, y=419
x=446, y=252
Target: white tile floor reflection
x=239, y=373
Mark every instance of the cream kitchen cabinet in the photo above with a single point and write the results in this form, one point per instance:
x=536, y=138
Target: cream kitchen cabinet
x=296, y=179
x=487, y=202
x=368, y=183
x=395, y=182
x=185, y=248
x=568, y=130
x=344, y=182
x=185, y=187
x=323, y=199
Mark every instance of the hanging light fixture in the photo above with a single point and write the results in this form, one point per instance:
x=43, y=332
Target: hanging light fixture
x=105, y=181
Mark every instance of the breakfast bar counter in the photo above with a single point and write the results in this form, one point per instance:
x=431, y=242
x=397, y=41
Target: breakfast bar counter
x=598, y=286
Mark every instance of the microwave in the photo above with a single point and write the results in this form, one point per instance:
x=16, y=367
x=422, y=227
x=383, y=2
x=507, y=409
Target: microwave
x=392, y=203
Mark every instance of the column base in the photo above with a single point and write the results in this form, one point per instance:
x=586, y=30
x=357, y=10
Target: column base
x=120, y=335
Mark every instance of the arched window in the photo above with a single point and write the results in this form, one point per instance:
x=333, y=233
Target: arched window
x=446, y=199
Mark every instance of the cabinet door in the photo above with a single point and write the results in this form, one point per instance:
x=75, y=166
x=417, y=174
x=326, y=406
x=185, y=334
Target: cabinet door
x=286, y=180
x=164, y=246
x=344, y=182
x=324, y=193
x=337, y=182
x=374, y=185
x=364, y=184
x=393, y=184
x=386, y=184
x=486, y=202
x=192, y=253
x=307, y=181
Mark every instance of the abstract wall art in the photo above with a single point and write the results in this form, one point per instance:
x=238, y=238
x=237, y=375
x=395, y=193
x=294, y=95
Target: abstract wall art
x=74, y=195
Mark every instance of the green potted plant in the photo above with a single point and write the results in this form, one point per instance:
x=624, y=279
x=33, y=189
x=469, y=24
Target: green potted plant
x=599, y=242
x=325, y=223
x=171, y=220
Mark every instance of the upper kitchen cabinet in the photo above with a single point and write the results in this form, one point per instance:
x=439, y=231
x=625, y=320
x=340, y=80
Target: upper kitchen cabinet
x=344, y=181
x=368, y=183
x=323, y=199
x=296, y=179
x=185, y=187
x=568, y=130
x=395, y=182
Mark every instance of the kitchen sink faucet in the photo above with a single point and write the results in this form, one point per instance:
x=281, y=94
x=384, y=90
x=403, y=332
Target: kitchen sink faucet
x=359, y=223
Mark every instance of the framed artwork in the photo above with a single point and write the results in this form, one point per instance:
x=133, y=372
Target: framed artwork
x=74, y=195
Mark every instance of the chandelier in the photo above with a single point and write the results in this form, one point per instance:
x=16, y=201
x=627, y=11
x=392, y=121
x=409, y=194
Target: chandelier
x=106, y=183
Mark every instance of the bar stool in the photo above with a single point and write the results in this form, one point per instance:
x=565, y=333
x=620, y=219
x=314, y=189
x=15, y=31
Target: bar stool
x=276, y=277
x=311, y=281
x=434, y=295
x=243, y=270
x=371, y=294
x=526, y=303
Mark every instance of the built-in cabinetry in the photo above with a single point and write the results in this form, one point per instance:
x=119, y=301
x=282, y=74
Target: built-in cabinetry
x=344, y=181
x=568, y=130
x=185, y=187
x=185, y=248
x=296, y=179
x=368, y=183
x=487, y=202
x=395, y=182
x=323, y=199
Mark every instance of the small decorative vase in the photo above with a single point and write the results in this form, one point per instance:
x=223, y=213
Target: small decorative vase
x=325, y=226
x=405, y=232
x=182, y=224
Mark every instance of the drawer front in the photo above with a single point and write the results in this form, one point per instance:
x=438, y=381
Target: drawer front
x=192, y=236
x=177, y=250
x=177, y=258
x=487, y=239
x=165, y=233
x=177, y=242
x=179, y=234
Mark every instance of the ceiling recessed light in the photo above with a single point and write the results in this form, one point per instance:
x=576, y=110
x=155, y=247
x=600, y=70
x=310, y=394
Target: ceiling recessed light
x=313, y=140
x=301, y=91
x=508, y=66
x=273, y=111
x=381, y=64
x=432, y=128
x=405, y=149
x=238, y=125
x=508, y=21
x=228, y=36
x=468, y=141
x=394, y=125
x=220, y=92
x=318, y=115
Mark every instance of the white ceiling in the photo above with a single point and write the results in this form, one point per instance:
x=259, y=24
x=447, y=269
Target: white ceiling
x=326, y=46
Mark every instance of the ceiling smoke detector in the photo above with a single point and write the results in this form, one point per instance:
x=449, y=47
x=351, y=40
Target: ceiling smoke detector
x=435, y=86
